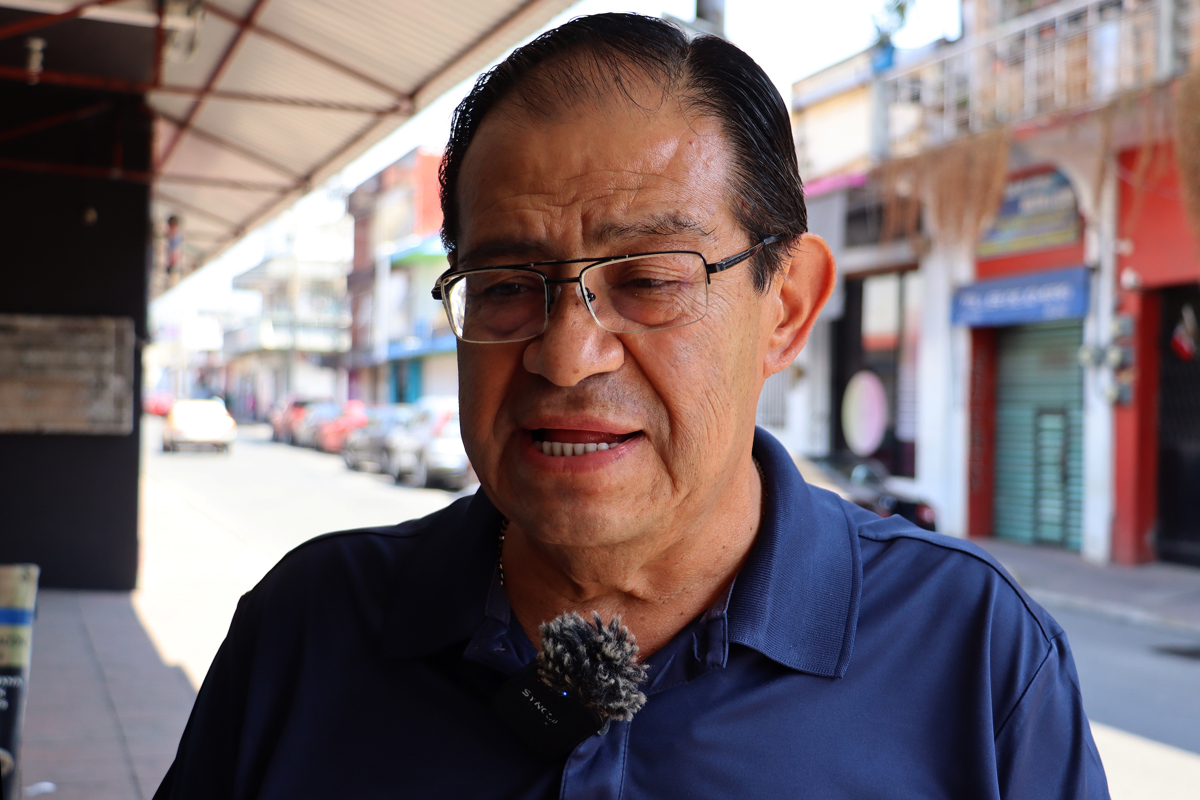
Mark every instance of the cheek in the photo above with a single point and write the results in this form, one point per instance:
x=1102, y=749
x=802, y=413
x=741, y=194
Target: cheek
x=704, y=378
x=485, y=373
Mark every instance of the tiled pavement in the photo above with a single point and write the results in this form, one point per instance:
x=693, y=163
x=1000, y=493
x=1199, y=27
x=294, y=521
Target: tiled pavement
x=104, y=713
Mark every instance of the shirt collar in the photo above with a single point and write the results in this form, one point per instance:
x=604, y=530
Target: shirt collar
x=795, y=601
x=440, y=595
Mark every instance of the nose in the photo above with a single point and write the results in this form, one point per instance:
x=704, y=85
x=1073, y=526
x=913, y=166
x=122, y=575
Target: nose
x=573, y=347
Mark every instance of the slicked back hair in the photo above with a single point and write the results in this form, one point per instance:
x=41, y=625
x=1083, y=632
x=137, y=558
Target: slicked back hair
x=590, y=58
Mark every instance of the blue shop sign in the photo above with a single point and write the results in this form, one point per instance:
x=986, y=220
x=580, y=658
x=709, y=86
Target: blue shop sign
x=420, y=346
x=1038, y=297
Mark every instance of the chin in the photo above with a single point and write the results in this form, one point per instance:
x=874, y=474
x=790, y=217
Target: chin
x=570, y=520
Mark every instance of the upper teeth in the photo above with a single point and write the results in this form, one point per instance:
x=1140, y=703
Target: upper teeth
x=570, y=448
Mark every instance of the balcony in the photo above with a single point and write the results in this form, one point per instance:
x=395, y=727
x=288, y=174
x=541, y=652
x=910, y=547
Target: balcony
x=321, y=334
x=1070, y=57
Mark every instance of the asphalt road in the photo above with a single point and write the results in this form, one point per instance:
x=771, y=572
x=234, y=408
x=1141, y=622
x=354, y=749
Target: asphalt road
x=214, y=523
x=1144, y=679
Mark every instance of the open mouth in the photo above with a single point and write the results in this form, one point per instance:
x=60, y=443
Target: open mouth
x=560, y=442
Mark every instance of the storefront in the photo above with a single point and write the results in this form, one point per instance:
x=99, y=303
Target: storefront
x=1027, y=444
x=1157, y=509
x=875, y=370
x=1179, y=426
x=1026, y=448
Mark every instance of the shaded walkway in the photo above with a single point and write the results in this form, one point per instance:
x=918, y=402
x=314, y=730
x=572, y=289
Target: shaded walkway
x=105, y=713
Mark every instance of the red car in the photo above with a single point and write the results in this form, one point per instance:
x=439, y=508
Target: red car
x=332, y=435
x=285, y=419
x=158, y=403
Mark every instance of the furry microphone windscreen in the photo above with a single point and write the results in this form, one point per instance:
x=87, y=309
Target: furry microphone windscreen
x=595, y=662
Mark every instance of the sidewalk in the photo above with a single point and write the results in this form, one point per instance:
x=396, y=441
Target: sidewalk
x=1156, y=593
x=104, y=714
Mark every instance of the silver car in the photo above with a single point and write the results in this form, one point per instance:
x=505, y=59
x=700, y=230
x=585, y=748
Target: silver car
x=428, y=450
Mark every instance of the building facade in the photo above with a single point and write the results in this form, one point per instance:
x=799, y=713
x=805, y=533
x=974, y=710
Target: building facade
x=294, y=347
x=1016, y=323
x=403, y=348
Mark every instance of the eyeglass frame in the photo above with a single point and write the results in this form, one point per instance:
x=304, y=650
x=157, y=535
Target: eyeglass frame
x=592, y=263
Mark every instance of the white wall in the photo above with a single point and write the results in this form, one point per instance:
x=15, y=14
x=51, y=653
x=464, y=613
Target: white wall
x=835, y=134
x=440, y=375
x=313, y=381
x=943, y=373
x=809, y=402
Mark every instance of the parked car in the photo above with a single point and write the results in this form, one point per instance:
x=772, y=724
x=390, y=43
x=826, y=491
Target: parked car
x=305, y=432
x=867, y=482
x=428, y=451
x=331, y=435
x=284, y=419
x=364, y=446
x=204, y=423
x=158, y=403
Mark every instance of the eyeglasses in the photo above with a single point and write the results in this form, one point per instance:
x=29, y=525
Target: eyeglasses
x=625, y=294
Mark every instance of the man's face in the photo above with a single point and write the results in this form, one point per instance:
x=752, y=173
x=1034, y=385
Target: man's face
x=674, y=407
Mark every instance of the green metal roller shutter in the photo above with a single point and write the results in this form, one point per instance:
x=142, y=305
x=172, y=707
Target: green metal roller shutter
x=1039, y=434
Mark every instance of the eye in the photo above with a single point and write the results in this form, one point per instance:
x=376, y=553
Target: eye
x=501, y=285
x=645, y=275
x=508, y=289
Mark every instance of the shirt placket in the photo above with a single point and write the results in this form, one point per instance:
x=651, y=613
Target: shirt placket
x=597, y=768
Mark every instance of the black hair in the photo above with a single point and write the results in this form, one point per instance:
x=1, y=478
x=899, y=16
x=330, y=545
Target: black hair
x=593, y=56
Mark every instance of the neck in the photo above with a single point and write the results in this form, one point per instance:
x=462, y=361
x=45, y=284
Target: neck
x=657, y=582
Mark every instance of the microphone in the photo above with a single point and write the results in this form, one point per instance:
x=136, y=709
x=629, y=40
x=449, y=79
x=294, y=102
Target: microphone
x=585, y=675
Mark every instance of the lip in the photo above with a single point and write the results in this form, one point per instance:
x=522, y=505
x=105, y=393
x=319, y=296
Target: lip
x=582, y=463
x=579, y=423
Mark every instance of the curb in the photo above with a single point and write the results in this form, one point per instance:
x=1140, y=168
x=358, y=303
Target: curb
x=1108, y=608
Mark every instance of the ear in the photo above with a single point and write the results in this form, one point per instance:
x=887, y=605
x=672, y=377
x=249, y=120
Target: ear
x=798, y=293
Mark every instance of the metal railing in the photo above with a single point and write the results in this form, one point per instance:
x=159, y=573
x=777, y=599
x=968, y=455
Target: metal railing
x=1069, y=56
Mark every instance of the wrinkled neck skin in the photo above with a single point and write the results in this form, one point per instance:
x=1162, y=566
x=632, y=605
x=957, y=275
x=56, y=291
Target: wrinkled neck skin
x=657, y=581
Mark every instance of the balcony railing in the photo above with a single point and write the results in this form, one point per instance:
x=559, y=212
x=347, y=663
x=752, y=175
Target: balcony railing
x=1070, y=56
x=311, y=334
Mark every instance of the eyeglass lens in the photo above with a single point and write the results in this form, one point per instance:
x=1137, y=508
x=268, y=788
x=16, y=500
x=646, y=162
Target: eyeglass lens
x=664, y=290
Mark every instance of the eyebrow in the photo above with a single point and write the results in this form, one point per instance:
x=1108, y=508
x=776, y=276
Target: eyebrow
x=522, y=251
x=670, y=224
x=518, y=251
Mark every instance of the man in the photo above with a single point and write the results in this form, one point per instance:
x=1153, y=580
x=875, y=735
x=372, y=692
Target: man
x=794, y=644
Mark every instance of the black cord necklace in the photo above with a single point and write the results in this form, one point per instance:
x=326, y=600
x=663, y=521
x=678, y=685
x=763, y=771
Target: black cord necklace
x=500, y=549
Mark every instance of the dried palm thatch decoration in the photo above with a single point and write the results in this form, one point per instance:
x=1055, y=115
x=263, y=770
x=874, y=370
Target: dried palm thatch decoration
x=1187, y=145
x=1152, y=161
x=960, y=184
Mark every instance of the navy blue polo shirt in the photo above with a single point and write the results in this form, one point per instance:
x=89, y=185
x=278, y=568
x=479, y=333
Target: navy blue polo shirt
x=853, y=657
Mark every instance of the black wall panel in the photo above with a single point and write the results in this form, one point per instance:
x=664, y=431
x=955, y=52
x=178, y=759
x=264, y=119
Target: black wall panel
x=74, y=246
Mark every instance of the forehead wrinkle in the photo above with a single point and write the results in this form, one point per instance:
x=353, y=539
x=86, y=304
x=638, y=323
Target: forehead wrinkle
x=670, y=223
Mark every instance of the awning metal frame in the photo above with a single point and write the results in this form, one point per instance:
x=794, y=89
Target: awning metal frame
x=523, y=19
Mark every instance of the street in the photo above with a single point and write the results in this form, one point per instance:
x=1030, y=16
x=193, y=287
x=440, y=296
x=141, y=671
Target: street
x=214, y=524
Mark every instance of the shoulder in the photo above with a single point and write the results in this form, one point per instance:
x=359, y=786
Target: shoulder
x=353, y=572
x=947, y=574
x=369, y=548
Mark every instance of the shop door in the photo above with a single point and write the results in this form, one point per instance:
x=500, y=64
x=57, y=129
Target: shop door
x=1179, y=428
x=1039, y=434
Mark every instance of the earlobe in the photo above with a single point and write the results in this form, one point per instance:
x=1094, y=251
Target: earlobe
x=801, y=288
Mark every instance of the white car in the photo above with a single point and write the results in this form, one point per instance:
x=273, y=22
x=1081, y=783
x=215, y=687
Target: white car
x=199, y=422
